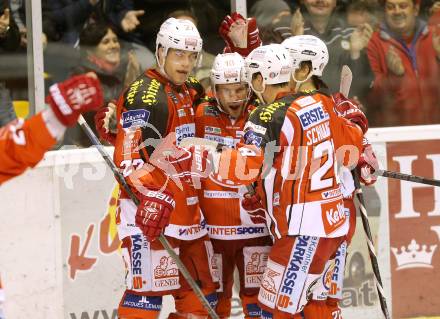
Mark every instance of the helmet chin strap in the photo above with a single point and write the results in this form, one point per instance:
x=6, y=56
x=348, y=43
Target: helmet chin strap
x=162, y=66
x=259, y=93
x=298, y=82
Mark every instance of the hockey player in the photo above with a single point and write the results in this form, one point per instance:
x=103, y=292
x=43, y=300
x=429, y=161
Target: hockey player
x=23, y=143
x=309, y=48
x=155, y=110
x=300, y=188
x=240, y=239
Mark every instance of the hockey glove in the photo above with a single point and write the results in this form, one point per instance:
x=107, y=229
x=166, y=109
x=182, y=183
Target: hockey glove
x=367, y=164
x=251, y=37
x=79, y=94
x=252, y=204
x=105, y=119
x=349, y=109
x=154, y=212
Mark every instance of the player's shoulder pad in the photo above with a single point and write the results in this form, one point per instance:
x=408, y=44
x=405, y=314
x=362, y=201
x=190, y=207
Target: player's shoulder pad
x=269, y=112
x=144, y=92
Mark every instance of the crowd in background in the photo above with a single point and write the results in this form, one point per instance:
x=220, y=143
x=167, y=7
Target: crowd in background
x=391, y=46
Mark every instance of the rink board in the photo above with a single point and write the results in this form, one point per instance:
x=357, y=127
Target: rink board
x=59, y=255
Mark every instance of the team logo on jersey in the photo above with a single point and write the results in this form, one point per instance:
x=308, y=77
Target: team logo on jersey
x=137, y=268
x=165, y=271
x=135, y=118
x=267, y=112
x=276, y=199
x=270, y=283
x=142, y=302
x=255, y=259
x=312, y=115
x=149, y=95
x=213, y=130
x=181, y=113
x=184, y=131
x=334, y=216
x=255, y=127
x=134, y=88
x=251, y=138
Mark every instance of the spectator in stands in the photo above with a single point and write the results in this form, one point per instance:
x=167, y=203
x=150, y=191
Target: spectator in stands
x=63, y=20
x=405, y=57
x=9, y=41
x=126, y=22
x=101, y=53
x=346, y=45
x=360, y=12
x=9, y=34
x=268, y=13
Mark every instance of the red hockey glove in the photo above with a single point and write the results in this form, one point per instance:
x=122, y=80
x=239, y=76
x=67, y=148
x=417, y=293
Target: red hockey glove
x=104, y=117
x=367, y=164
x=252, y=36
x=154, y=212
x=74, y=96
x=252, y=204
x=349, y=109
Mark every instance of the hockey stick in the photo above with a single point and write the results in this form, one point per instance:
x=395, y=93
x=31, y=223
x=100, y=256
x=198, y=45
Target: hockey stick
x=346, y=78
x=370, y=244
x=344, y=88
x=86, y=128
x=407, y=177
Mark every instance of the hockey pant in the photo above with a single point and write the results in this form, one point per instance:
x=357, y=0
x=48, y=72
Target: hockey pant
x=337, y=276
x=250, y=258
x=152, y=273
x=296, y=270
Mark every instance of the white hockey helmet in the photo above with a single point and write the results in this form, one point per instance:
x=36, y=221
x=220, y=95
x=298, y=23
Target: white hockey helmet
x=272, y=61
x=307, y=48
x=228, y=68
x=178, y=34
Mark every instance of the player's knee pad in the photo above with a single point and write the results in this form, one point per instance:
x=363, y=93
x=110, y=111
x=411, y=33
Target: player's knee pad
x=134, y=305
x=148, y=269
x=287, y=288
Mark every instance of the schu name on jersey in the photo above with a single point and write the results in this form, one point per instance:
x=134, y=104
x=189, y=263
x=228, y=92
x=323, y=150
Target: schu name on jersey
x=135, y=118
x=312, y=115
x=318, y=133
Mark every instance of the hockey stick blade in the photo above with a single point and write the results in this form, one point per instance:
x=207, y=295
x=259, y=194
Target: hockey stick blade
x=407, y=177
x=120, y=178
x=346, y=78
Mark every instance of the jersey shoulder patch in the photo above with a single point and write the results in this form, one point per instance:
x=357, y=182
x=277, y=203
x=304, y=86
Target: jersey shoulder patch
x=144, y=92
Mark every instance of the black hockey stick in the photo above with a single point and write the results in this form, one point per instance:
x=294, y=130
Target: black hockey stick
x=407, y=177
x=95, y=141
x=370, y=244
